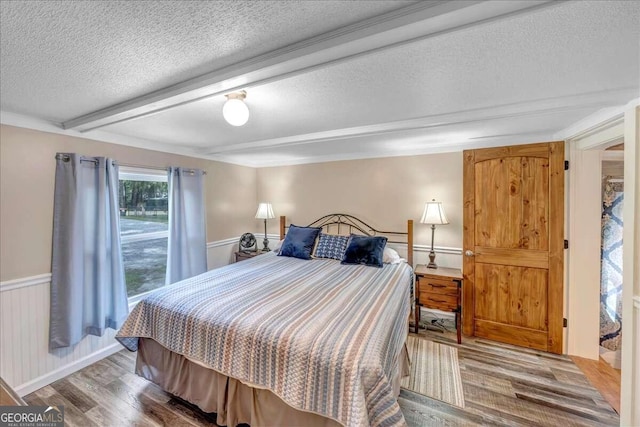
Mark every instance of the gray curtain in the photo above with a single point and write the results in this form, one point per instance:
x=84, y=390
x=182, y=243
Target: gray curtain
x=88, y=291
x=187, y=249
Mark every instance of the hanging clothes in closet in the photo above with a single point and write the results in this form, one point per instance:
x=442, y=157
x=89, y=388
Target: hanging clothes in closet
x=611, y=269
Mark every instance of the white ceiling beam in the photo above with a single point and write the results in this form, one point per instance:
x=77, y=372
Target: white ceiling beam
x=431, y=148
x=586, y=102
x=405, y=25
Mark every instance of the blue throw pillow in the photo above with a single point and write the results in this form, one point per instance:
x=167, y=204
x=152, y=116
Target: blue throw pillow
x=299, y=241
x=365, y=250
x=331, y=246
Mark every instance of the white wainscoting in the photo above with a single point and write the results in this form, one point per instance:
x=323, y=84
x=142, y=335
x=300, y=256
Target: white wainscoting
x=221, y=252
x=445, y=256
x=25, y=361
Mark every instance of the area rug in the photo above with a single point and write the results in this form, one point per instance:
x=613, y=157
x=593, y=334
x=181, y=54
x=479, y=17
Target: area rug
x=435, y=371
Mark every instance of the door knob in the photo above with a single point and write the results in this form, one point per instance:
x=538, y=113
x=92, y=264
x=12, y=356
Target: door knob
x=469, y=252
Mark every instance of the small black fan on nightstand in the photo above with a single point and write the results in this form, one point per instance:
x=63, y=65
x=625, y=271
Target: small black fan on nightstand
x=248, y=243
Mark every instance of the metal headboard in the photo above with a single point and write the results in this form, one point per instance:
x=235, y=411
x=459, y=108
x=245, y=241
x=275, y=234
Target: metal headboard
x=346, y=223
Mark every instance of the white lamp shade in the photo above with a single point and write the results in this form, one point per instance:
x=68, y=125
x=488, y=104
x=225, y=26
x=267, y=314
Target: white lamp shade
x=235, y=112
x=434, y=213
x=265, y=211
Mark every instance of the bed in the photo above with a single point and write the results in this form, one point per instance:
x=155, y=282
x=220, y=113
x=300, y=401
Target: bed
x=276, y=340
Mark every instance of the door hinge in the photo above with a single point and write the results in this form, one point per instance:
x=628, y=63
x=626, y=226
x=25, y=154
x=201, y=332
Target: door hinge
x=566, y=244
x=564, y=322
x=566, y=165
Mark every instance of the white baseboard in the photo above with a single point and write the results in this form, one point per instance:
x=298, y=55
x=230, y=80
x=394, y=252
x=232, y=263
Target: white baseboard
x=49, y=377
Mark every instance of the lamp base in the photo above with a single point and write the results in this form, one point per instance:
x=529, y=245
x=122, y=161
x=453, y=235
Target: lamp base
x=432, y=260
x=265, y=242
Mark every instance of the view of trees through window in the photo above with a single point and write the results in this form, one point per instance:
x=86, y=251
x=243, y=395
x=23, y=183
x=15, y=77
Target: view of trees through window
x=144, y=233
x=139, y=197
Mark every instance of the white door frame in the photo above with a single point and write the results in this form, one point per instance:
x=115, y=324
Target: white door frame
x=584, y=230
x=583, y=291
x=630, y=387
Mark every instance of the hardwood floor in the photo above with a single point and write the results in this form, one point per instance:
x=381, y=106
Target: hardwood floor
x=604, y=378
x=512, y=386
x=503, y=385
x=108, y=393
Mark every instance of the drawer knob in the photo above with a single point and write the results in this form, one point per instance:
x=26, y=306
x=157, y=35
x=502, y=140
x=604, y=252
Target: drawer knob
x=469, y=252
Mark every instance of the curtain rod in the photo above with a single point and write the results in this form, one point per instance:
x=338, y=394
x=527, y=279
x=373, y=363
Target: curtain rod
x=131, y=165
x=66, y=158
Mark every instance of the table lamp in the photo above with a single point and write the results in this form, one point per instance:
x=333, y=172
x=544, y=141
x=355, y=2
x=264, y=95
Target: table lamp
x=265, y=211
x=433, y=214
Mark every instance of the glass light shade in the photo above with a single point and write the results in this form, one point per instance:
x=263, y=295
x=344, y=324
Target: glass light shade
x=265, y=211
x=434, y=213
x=235, y=112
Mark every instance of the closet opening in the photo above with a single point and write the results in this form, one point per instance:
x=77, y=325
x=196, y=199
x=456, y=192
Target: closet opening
x=611, y=266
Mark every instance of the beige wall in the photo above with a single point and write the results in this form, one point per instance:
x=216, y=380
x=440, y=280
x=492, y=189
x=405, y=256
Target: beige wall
x=27, y=169
x=382, y=192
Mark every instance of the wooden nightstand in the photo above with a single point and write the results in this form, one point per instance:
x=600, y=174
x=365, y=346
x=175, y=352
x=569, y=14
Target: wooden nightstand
x=240, y=255
x=440, y=289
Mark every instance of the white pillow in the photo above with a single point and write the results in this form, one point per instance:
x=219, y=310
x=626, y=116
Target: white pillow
x=276, y=248
x=390, y=256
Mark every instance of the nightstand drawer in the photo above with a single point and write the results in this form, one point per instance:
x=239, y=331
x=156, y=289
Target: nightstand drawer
x=438, y=286
x=439, y=301
x=438, y=289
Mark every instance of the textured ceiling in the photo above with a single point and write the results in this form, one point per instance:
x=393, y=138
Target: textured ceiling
x=520, y=78
x=61, y=59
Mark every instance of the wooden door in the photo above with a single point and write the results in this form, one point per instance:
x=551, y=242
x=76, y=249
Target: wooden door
x=513, y=244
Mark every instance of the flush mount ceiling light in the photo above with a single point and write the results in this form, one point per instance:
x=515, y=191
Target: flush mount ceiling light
x=235, y=111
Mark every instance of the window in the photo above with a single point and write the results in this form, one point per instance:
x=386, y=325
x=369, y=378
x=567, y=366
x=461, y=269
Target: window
x=144, y=225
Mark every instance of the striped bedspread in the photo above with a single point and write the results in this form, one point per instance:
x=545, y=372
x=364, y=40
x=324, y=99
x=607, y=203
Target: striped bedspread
x=324, y=337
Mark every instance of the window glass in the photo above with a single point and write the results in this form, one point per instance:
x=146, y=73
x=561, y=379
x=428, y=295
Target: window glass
x=144, y=224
